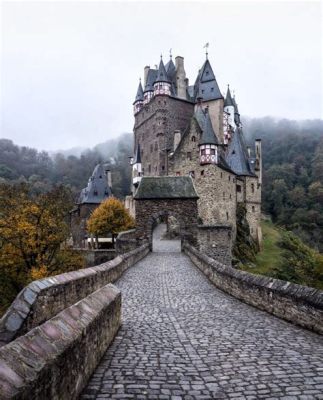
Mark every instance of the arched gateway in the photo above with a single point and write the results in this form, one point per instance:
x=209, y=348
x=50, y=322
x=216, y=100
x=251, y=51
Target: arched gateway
x=161, y=197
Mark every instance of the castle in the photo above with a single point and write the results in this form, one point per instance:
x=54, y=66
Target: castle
x=192, y=130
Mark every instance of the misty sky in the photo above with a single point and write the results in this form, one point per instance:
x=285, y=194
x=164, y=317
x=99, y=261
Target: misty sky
x=70, y=70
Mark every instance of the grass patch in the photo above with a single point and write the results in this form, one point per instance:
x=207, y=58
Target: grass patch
x=270, y=255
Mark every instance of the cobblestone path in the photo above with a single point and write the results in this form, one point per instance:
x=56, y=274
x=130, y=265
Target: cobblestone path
x=182, y=338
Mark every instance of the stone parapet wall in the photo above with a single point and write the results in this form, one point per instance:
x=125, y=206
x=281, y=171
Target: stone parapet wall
x=94, y=257
x=55, y=360
x=43, y=299
x=298, y=304
x=126, y=241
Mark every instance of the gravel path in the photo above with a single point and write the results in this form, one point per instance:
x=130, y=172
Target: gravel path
x=181, y=338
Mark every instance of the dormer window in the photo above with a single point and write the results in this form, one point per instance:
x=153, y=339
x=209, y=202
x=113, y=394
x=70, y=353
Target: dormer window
x=95, y=192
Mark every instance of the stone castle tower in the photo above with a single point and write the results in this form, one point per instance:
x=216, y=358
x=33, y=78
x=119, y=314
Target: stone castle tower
x=183, y=129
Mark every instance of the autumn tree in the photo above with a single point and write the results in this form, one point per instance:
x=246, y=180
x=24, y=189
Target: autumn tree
x=33, y=230
x=110, y=217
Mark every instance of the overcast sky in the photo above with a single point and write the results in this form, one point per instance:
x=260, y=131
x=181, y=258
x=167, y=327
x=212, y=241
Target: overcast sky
x=70, y=70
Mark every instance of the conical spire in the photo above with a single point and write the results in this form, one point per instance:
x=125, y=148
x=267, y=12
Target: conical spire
x=152, y=74
x=228, y=99
x=208, y=135
x=162, y=74
x=237, y=156
x=140, y=93
x=137, y=159
x=206, y=86
x=236, y=112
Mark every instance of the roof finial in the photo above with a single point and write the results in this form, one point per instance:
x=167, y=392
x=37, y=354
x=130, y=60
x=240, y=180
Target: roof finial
x=206, y=47
x=170, y=53
x=161, y=56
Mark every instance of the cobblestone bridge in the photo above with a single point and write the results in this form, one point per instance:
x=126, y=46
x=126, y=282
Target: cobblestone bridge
x=182, y=338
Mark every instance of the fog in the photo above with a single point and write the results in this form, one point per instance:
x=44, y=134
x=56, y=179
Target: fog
x=70, y=70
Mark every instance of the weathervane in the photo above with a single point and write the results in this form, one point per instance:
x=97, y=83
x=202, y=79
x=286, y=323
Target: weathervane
x=170, y=53
x=206, y=46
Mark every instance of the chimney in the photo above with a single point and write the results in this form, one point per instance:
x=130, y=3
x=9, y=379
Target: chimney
x=146, y=69
x=181, y=81
x=258, y=166
x=177, y=138
x=109, y=178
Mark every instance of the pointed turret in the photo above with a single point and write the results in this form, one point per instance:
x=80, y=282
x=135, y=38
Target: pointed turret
x=149, y=86
x=208, y=143
x=229, y=109
x=98, y=188
x=139, y=100
x=208, y=135
x=237, y=155
x=236, y=113
x=162, y=84
x=206, y=86
x=228, y=99
x=136, y=167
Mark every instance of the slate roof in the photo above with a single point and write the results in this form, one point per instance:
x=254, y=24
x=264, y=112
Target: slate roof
x=200, y=116
x=237, y=155
x=162, y=74
x=206, y=86
x=140, y=93
x=170, y=69
x=137, y=158
x=166, y=187
x=97, y=188
x=151, y=78
x=236, y=112
x=228, y=99
x=208, y=135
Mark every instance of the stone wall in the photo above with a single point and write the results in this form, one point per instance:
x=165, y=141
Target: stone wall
x=55, y=360
x=216, y=242
x=298, y=304
x=215, y=186
x=154, y=130
x=96, y=256
x=149, y=211
x=43, y=299
x=127, y=241
x=253, y=204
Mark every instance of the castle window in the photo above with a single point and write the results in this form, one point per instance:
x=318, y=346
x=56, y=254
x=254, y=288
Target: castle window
x=239, y=188
x=221, y=175
x=156, y=146
x=149, y=168
x=163, y=167
x=202, y=172
x=203, y=152
x=178, y=173
x=193, y=139
x=212, y=89
x=223, y=196
x=253, y=208
x=230, y=197
x=212, y=152
x=151, y=148
x=227, y=215
x=229, y=178
x=252, y=188
x=189, y=155
x=192, y=174
x=95, y=192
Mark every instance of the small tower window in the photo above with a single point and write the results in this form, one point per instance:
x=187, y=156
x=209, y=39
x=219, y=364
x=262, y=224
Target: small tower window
x=252, y=188
x=221, y=175
x=253, y=208
x=227, y=215
x=229, y=178
x=189, y=155
x=193, y=139
x=212, y=89
x=238, y=188
x=163, y=167
x=212, y=152
x=202, y=172
x=149, y=168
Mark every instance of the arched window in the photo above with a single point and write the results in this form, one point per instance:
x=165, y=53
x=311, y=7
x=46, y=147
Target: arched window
x=193, y=139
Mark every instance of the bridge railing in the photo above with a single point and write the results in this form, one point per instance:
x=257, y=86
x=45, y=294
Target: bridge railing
x=298, y=304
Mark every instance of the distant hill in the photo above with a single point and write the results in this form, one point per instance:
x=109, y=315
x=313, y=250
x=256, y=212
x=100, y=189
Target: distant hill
x=292, y=169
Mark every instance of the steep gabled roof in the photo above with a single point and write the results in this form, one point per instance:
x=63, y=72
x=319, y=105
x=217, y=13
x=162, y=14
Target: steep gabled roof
x=228, y=99
x=206, y=86
x=237, y=155
x=162, y=74
x=200, y=116
x=97, y=188
x=151, y=78
x=166, y=187
x=170, y=70
x=137, y=158
x=140, y=93
x=208, y=135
